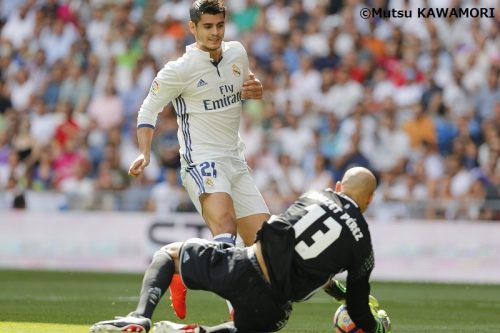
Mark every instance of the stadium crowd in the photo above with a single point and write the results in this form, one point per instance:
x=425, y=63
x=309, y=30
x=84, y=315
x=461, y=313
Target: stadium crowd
x=415, y=100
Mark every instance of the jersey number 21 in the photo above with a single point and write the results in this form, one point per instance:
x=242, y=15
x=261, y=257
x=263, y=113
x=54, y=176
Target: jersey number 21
x=321, y=240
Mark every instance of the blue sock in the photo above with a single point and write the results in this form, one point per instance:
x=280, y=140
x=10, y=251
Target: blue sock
x=225, y=238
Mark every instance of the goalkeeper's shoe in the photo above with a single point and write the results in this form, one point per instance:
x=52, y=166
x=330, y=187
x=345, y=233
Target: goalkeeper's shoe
x=178, y=296
x=131, y=323
x=170, y=327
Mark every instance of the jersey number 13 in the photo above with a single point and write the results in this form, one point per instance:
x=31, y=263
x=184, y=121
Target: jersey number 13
x=321, y=240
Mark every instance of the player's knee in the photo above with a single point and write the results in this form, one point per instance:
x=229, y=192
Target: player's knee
x=171, y=250
x=222, y=222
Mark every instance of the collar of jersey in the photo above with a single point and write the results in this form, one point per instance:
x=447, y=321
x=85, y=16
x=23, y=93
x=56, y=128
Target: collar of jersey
x=345, y=196
x=192, y=49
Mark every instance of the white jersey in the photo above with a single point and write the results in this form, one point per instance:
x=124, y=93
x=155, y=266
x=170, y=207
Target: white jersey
x=207, y=99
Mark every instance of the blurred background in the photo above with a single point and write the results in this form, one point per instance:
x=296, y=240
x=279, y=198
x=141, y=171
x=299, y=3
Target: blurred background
x=415, y=100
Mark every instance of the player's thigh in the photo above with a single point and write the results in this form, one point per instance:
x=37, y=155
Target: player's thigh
x=198, y=181
x=249, y=225
x=211, y=266
x=218, y=212
x=247, y=198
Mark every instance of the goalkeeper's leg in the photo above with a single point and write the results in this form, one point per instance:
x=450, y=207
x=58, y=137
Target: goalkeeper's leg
x=155, y=283
x=156, y=280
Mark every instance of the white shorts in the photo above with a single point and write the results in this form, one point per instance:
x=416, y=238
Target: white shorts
x=230, y=176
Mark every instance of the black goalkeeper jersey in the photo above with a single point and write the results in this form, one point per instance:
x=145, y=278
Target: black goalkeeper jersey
x=323, y=233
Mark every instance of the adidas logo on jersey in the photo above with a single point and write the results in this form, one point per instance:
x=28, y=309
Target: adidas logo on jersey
x=201, y=83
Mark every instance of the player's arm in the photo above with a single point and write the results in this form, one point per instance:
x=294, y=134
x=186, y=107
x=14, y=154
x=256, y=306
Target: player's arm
x=252, y=88
x=144, y=137
x=356, y=297
x=338, y=291
x=358, y=290
x=165, y=87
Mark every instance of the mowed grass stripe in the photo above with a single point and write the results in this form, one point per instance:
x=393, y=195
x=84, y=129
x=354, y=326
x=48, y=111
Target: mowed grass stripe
x=41, y=301
x=15, y=327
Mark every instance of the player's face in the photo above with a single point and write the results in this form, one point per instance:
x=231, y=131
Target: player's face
x=209, y=32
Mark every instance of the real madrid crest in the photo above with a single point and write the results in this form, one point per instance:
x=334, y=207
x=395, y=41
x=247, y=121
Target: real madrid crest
x=236, y=70
x=209, y=181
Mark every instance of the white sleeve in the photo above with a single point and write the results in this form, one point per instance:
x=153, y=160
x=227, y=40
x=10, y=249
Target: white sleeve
x=246, y=66
x=165, y=87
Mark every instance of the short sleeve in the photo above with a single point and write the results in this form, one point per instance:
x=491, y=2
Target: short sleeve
x=166, y=86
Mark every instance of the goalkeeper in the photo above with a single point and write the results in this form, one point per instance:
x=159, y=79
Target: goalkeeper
x=295, y=254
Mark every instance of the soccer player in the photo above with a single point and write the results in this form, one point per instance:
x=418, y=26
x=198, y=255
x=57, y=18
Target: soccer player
x=295, y=254
x=206, y=87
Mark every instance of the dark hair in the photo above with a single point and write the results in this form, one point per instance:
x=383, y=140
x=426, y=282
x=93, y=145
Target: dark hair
x=201, y=7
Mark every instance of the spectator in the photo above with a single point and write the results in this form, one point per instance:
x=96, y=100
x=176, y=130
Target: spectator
x=57, y=39
x=22, y=90
x=68, y=163
x=392, y=143
x=76, y=89
x=20, y=24
x=167, y=196
x=488, y=95
x=68, y=128
x=343, y=95
x=420, y=128
x=322, y=177
x=107, y=110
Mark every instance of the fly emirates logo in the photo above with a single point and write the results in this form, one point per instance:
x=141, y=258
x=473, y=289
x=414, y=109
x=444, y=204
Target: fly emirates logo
x=228, y=97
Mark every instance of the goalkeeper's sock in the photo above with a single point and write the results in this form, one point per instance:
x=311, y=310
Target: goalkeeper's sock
x=156, y=281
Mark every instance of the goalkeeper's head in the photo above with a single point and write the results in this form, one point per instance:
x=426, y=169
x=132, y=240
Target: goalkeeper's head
x=359, y=184
x=212, y=7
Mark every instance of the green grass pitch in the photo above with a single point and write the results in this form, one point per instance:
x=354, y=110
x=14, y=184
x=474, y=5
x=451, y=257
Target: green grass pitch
x=69, y=302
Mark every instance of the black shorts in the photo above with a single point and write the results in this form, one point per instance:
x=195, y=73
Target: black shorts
x=231, y=273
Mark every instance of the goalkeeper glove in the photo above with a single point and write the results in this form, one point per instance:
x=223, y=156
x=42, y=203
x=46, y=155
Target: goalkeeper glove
x=381, y=317
x=383, y=322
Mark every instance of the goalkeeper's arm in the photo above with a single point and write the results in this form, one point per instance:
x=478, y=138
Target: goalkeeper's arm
x=335, y=289
x=338, y=291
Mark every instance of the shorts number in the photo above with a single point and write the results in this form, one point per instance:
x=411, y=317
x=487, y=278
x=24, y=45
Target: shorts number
x=208, y=169
x=321, y=240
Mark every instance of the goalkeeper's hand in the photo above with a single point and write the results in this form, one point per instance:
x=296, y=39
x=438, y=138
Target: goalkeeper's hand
x=338, y=291
x=383, y=322
x=381, y=317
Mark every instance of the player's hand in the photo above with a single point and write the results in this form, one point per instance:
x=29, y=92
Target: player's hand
x=252, y=88
x=384, y=321
x=138, y=165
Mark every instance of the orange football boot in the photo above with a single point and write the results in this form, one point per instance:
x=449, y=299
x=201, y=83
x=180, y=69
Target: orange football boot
x=178, y=296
